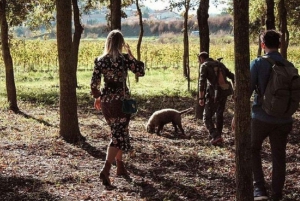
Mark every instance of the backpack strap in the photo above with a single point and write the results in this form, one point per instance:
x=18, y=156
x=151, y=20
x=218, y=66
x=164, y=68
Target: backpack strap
x=268, y=59
x=216, y=84
x=272, y=62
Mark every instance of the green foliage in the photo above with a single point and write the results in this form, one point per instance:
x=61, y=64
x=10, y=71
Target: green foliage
x=41, y=15
x=257, y=15
x=158, y=53
x=34, y=13
x=36, y=66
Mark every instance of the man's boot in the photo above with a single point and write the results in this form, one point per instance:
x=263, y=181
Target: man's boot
x=104, y=174
x=121, y=171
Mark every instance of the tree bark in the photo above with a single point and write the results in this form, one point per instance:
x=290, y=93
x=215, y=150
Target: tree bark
x=8, y=62
x=283, y=27
x=115, y=15
x=259, y=49
x=270, y=22
x=242, y=102
x=69, y=129
x=76, y=37
x=140, y=35
x=186, y=43
x=202, y=16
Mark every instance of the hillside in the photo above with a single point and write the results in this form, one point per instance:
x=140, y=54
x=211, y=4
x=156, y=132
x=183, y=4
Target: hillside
x=98, y=16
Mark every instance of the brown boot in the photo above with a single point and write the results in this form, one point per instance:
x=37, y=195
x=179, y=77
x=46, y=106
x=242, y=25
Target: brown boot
x=104, y=174
x=121, y=171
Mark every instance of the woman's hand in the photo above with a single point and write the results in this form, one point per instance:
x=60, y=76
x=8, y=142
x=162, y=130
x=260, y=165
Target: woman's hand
x=97, y=104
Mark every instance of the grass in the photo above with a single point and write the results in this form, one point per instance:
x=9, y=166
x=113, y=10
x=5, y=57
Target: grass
x=43, y=88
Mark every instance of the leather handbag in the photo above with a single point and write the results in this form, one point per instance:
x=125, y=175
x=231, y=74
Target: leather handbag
x=129, y=106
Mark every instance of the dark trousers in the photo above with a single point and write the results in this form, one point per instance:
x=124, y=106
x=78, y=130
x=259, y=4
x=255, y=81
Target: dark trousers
x=277, y=134
x=212, y=108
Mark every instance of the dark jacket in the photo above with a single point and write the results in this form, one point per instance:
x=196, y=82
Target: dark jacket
x=208, y=76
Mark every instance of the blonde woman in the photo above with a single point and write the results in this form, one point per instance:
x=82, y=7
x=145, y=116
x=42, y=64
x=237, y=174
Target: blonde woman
x=111, y=67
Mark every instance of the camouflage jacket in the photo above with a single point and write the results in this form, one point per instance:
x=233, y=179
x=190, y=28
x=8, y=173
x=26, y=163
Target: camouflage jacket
x=207, y=76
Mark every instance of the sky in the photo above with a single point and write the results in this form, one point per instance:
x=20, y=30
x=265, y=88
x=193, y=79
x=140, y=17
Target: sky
x=160, y=5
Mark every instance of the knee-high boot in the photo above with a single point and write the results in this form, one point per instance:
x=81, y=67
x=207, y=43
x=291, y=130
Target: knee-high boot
x=104, y=174
x=121, y=170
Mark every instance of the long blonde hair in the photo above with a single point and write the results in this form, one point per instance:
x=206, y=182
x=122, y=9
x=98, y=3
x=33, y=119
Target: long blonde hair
x=114, y=44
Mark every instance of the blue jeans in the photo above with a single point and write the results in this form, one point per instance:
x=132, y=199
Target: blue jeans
x=277, y=134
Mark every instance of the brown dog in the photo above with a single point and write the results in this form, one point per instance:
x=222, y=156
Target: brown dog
x=161, y=117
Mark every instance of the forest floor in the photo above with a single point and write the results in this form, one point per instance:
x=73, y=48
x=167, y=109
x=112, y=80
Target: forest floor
x=35, y=164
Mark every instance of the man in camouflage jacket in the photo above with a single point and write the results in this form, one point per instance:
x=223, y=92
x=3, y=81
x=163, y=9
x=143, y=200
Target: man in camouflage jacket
x=213, y=92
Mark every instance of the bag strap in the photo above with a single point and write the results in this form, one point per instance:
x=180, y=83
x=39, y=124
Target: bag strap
x=272, y=62
x=268, y=59
x=124, y=78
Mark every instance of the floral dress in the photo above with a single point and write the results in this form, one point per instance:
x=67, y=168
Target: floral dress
x=112, y=94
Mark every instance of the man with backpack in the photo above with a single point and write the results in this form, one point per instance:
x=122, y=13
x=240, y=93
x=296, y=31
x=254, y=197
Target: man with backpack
x=273, y=121
x=213, y=91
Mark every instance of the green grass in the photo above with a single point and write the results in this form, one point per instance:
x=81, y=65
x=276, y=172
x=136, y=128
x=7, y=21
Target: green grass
x=44, y=88
x=36, y=72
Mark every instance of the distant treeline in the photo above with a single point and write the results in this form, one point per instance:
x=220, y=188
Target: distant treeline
x=222, y=23
x=217, y=24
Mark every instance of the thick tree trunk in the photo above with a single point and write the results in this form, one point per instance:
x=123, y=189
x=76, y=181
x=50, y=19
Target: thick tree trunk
x=8, y=62
x=270, y=22
x=283, y=27
x=69, y=128
x=242, y=102
x=115, y=15
x=202, y=16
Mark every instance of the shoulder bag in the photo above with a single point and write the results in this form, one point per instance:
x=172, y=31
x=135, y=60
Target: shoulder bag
x=129, y=105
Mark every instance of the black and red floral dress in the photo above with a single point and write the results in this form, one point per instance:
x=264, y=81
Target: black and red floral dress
x=112, y=94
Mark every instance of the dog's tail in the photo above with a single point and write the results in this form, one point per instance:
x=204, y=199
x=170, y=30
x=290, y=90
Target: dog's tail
x=186, y=110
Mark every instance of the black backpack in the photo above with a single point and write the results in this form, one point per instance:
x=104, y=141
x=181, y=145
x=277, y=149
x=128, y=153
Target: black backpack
x=282, y=94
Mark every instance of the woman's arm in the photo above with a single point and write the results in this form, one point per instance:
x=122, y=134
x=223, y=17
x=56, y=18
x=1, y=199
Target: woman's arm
x=96, y=80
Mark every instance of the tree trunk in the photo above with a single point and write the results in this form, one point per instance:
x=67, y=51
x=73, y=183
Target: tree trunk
x=115, y=15
x=186, y=70
x=242, y=102
x=270, y=22
x=76, y=37
x=8, y=62
x=69, y=129
x=283, y=27
x=140, y=35
x=259, y=50
x=202, y=16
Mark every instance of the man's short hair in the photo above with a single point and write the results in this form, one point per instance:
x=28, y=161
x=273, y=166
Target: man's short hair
x=271, y=38
x=203, y=55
